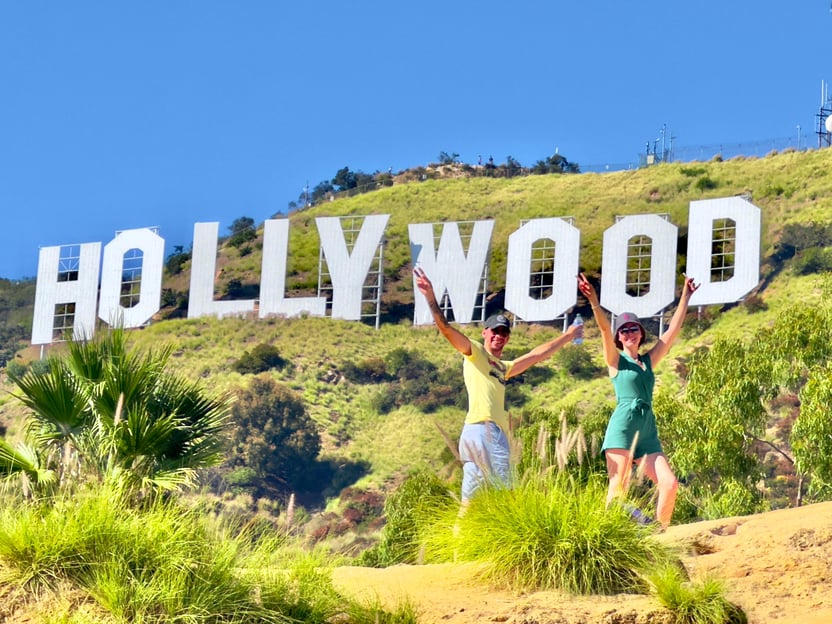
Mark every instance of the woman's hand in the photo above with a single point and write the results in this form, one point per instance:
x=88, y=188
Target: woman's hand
x=690, y=287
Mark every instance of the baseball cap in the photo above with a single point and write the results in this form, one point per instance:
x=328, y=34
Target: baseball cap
x=627, y=318
x=497, y=320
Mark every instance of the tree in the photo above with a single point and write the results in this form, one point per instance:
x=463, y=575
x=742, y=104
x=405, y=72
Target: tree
x=513, y=166
x=108, y=413
x=344, y=179
x=812, y=433
x=448, y=159
x=177, y=259
x=321, y=190
x=242, y=231
x=274, y=436
x=719, y=432
x=555, y=164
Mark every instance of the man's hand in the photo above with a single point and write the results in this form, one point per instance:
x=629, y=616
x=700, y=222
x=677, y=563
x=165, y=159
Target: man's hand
x=424, y=285
x=574, y=332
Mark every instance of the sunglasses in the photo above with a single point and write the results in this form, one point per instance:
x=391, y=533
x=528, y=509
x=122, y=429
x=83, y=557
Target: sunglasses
x=501, y=331
x=629, y=330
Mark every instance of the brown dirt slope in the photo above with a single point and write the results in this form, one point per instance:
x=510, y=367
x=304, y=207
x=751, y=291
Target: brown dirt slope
x=777, y=567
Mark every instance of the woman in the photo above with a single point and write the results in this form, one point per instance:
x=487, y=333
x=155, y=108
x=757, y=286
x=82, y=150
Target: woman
x=631, y=435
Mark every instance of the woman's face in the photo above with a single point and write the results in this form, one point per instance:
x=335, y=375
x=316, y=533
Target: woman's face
x=630, y=335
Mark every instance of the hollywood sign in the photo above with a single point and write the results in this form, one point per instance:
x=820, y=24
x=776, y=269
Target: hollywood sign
x=451, y=267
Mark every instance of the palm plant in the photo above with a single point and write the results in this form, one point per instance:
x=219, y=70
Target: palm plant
x=113, y=414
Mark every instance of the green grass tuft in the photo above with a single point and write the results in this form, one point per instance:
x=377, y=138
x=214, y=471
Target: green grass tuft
x=550, y=532
x=165, y=563
x=694, y=603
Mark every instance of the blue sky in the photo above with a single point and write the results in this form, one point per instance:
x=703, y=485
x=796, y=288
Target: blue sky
x=118, y=115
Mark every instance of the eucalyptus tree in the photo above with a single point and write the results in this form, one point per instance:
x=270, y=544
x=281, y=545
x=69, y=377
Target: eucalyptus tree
x=719, y=429
x=106, y=412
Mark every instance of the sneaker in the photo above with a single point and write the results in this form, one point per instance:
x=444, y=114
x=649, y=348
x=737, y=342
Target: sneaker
x=638, y=515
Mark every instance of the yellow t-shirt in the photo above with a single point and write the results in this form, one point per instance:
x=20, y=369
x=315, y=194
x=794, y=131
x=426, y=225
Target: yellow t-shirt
x=485, y=381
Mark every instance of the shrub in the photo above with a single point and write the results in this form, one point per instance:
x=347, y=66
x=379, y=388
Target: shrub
x=263, y=357
x=371, y=370
x=732, y=498
x=165, y=563
x=577, y=361
x=15, y=369
x=361, y=507
x=408, y=511
x=802, y=236
x=692, y=171
x=243, y=230
x=419, y=383
x=813, y=260
x=705, y=183
x=274, y=435
x=693, y=603
x=754, y=303
x=549, y=532
x=177, y=260
x=40, y=367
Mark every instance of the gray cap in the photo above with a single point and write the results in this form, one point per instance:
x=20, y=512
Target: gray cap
x=627, y=318
x=497, y=320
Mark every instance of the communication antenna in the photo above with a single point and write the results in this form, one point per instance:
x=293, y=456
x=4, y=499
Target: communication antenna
x=655, y=156
x=824, y=117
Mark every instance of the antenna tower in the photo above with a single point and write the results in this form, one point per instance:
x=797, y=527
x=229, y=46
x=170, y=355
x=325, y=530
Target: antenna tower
x=824, y=117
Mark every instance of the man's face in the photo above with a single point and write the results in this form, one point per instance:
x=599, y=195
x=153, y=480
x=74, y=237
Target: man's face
x=495, y=339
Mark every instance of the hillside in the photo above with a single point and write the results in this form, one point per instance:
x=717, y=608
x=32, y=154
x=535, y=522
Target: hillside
x=375, y=449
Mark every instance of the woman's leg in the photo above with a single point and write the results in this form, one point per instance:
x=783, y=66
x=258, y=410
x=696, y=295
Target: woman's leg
x=658, y=470
x=619, y=469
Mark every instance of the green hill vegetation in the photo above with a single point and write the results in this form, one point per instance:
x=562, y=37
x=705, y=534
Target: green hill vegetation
x=330, y=418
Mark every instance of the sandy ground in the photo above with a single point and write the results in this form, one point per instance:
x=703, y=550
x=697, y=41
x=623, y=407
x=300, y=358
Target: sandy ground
x=777, y=567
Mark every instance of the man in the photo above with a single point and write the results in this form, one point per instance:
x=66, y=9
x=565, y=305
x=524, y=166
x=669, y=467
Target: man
x=483, y=444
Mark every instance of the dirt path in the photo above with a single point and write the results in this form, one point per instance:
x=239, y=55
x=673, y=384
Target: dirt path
x=777, y=566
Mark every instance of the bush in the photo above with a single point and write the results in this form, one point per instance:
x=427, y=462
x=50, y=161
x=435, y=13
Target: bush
x=754, y=303
x=732, y=498
x=705, y=183
x=813, y=260
x=176, y=261
x=15, y=369
x=577, y=361
x=40, y=367
x=274, y=435
x=408, y=511
x=243, y=230
x=165, y=563
x=371, y=370
x=419, y=383
x=700, y=603
x=800, y=236
x=263, y=357
x=549, y=532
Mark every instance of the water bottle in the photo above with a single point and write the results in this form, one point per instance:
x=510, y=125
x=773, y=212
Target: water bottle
x=577, y=323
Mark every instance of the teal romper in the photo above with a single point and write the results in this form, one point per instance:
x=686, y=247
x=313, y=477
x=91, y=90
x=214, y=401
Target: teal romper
x=634, y=412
